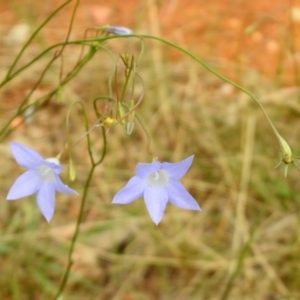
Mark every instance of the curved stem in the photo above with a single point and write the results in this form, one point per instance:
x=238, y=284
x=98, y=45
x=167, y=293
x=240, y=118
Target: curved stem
x=82, y=205
x=207, y=67
x=75, y=235
x=70, y=26
x=5, y=131
x=32, y=37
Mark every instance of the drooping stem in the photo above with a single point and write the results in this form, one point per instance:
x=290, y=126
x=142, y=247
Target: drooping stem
x=207, y=67
x=33, y=36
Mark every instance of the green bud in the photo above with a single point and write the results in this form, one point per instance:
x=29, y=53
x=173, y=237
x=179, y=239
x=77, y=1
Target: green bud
x=127, y=57
x=72, y=172
x=286, y=152
x=129, y=124
x=120, y=112
x=129, y=127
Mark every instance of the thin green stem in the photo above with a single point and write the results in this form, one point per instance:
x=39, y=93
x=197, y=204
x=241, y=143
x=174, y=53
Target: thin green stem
x=5, y=131
x=128, y=72
x=81, y=210
x=32, y=37
x=21, y=109
x=89, y=43
x=76, y=233
x=208, y=68
x=70, y=26
x=79, y=66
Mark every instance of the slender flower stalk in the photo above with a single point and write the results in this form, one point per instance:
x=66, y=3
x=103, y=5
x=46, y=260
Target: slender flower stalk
x=285, y=150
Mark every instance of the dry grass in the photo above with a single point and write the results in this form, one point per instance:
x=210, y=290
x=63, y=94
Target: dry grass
x=244, y=244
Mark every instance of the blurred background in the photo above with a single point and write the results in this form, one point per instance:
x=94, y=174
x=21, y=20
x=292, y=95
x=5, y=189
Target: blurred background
x=244, y=244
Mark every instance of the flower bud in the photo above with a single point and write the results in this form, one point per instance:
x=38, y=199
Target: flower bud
x=121, y=112
x=72, y=171
x=129, y=124
x=286, y=152
x=129, y=127
x=119, y=30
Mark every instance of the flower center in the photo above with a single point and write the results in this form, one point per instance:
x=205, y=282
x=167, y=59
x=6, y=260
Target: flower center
x=45, y=172
x=158, y=179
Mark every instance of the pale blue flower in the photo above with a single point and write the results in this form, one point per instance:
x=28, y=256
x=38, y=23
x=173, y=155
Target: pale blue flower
x=158, y=183
x=119, y=30
x=41, y=177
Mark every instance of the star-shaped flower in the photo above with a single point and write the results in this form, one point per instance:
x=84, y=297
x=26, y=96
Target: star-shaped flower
x=158, y=183
x=41, y=177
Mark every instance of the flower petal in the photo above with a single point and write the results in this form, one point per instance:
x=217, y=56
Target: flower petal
x=25, y=185
x=177, y=170
x=142, y=169
x=180, y=197
x=62, y=188
x=46, y=200
x=25, y=156
x=156, y=200
x=119, y=30
x=130, y=192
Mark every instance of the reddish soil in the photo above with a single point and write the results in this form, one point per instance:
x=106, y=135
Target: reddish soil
x=257, y=34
